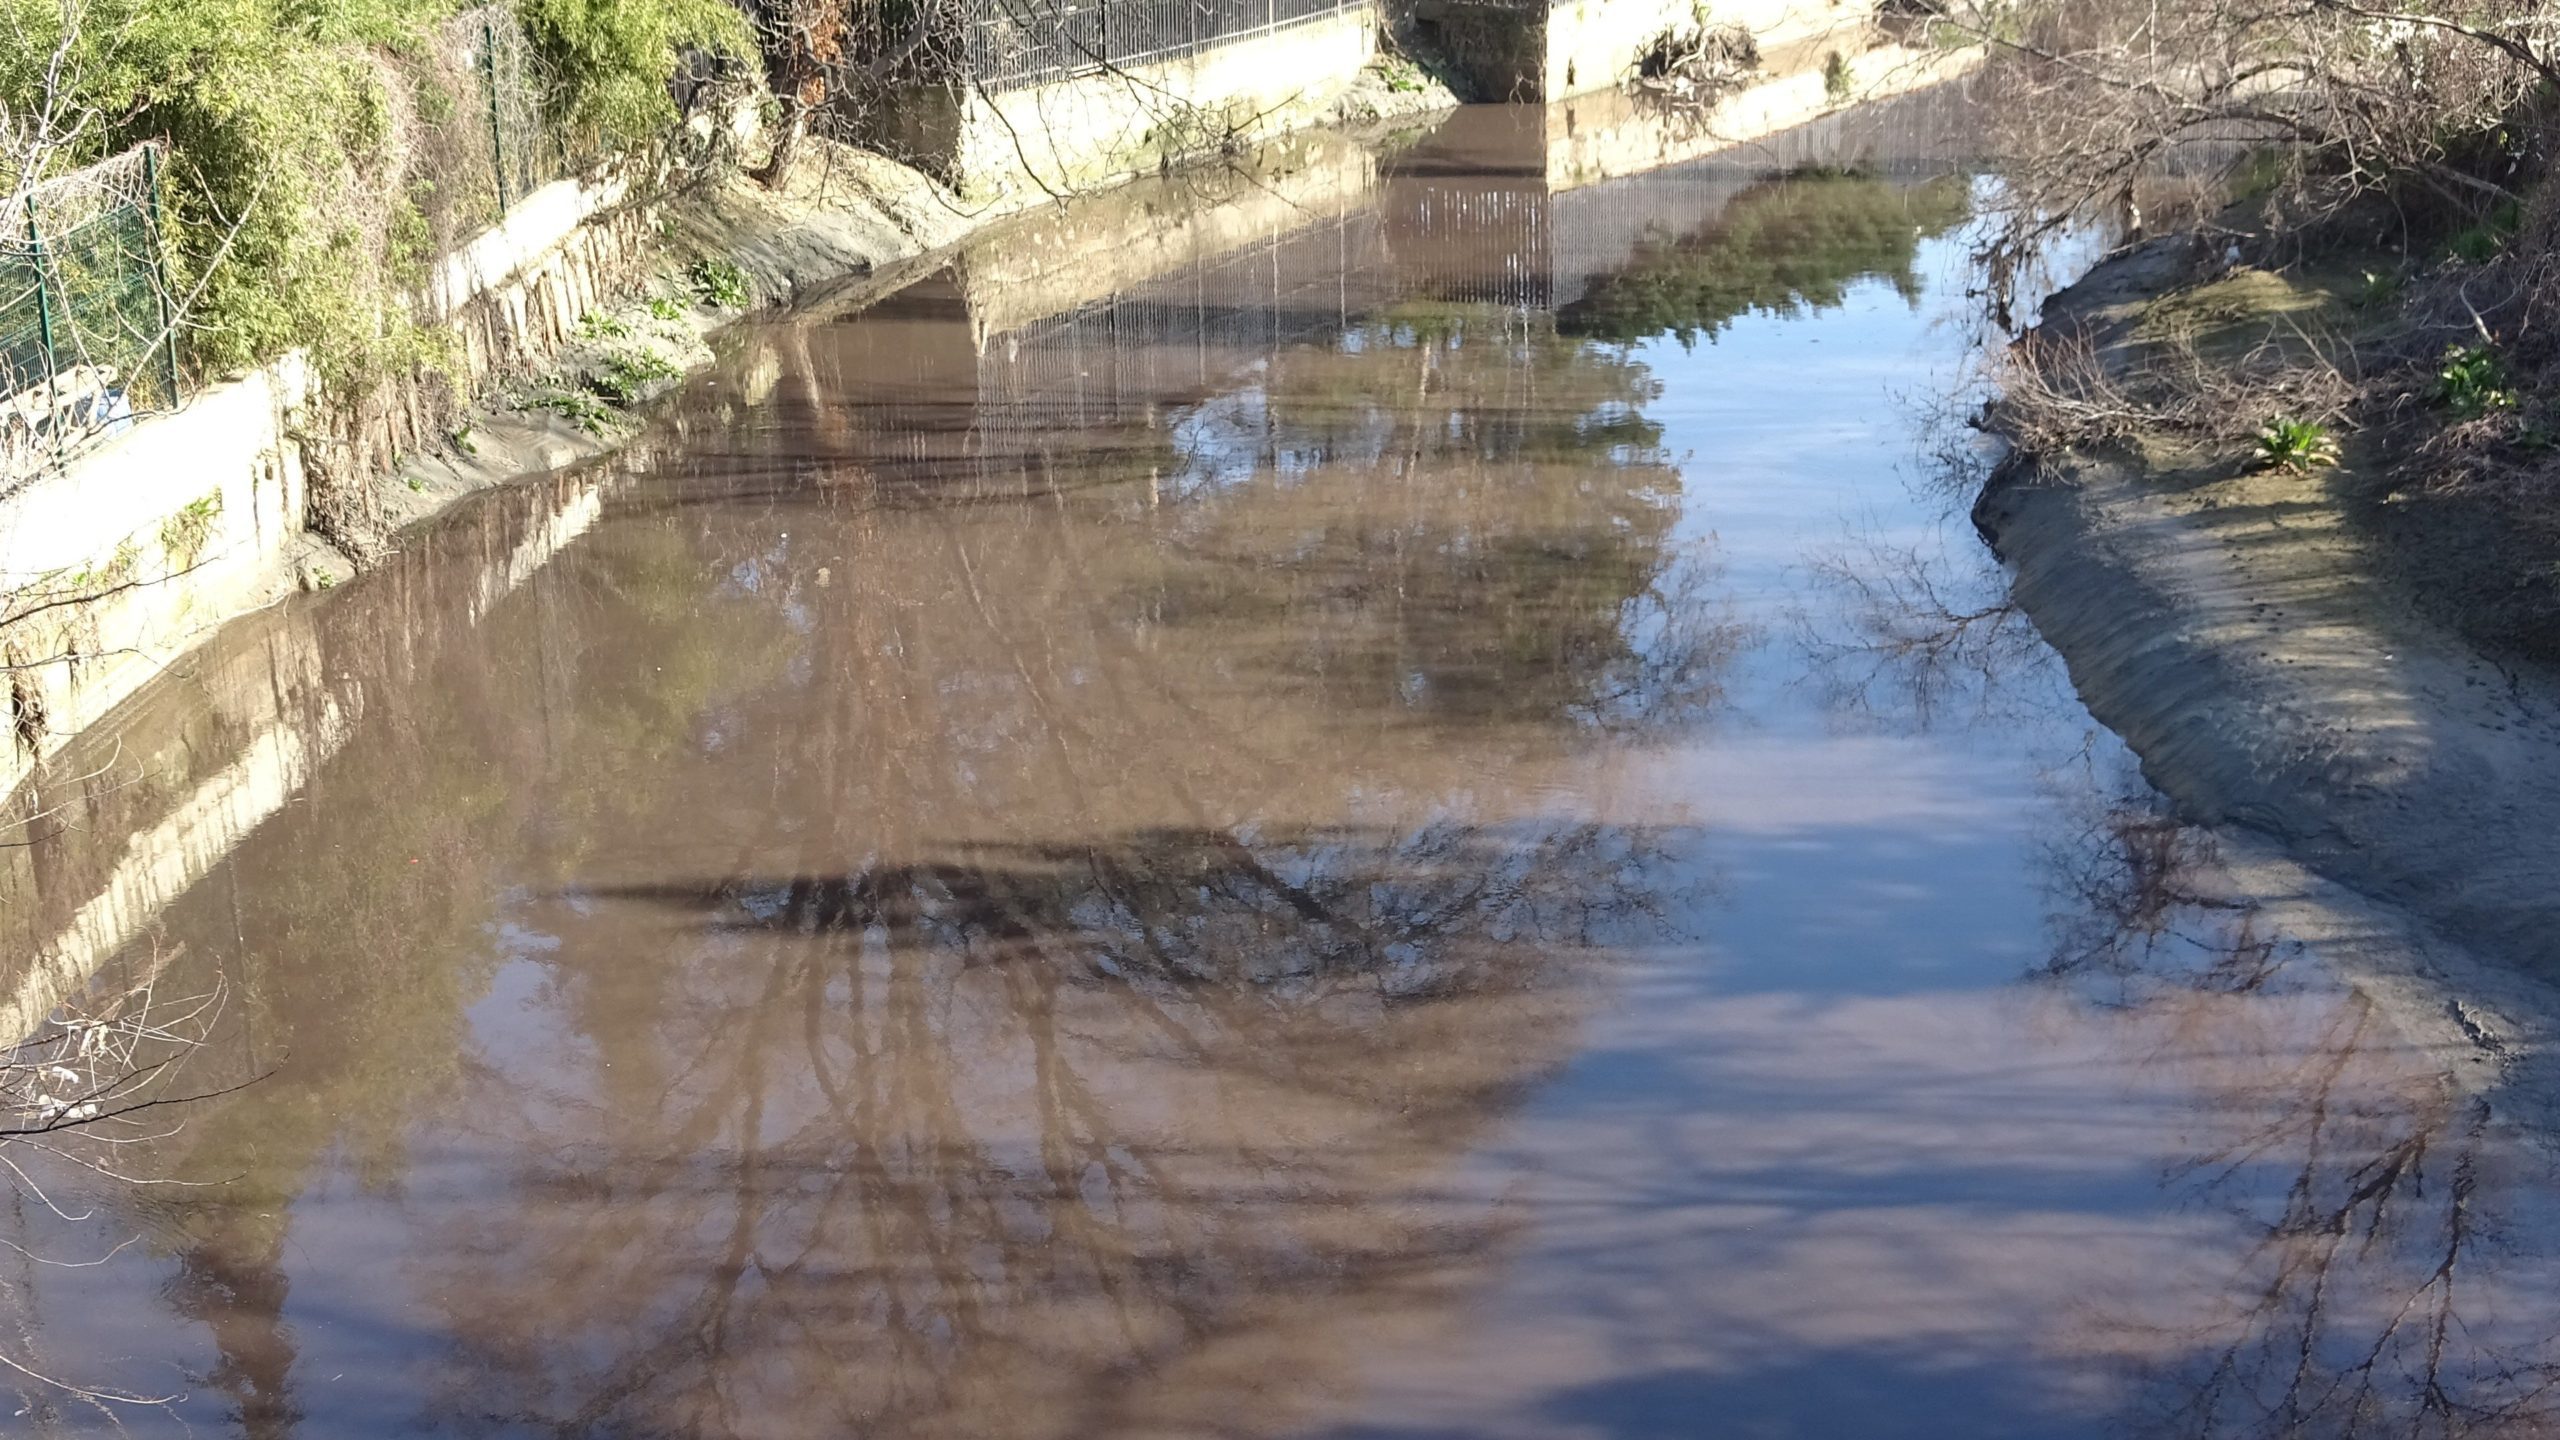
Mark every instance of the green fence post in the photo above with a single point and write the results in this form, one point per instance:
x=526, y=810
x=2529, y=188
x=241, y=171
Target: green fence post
x=497, y=125
x=160, y=271
x=44, y=304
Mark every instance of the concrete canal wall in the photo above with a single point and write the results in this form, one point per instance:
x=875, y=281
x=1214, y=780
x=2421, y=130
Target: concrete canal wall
x=121, y=561
x=1116, y=122
x=1546, y=50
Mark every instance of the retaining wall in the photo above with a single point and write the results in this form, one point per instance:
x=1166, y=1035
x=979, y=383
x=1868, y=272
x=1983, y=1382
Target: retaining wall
x=1094, y=129
x=126, y=558
x=1562, y=48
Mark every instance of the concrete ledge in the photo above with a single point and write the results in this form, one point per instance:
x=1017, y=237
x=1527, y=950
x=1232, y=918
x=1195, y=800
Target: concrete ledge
x=1562, y=48
x=182, y=523
x=1092, y=130
x=1079, y=255
x=1601, y=137
x=191, y=518
x=537, y=225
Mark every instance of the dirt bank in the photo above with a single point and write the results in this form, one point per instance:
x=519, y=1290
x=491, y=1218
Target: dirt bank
x=2247, y=636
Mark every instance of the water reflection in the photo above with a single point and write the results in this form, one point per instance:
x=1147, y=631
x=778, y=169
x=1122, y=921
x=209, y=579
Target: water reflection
x=2396, y=1282
x=1226, y=839
x=1788, y=245
x=1066, y=1133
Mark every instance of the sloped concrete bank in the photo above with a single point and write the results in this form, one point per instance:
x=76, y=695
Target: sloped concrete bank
x=2248, y=649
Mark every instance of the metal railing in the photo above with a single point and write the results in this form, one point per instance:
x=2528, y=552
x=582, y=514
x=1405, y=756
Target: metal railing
x=88, y=335
x=1013, y=44
x=491, y=144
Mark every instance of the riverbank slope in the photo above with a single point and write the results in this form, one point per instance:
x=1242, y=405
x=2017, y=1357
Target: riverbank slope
x=2248, y=636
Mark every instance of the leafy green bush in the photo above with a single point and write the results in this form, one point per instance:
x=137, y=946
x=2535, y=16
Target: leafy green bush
x=293, y=189
x=2473, y=382
x=629, y=372
x=721, y=283
x=610, y=59
x=2295, y=445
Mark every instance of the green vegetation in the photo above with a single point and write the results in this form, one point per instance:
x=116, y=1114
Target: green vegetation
x=575, y=406
x=116, y=570
x=664, y=308
x=182, y=535
x=2473, y=381
x=2375, y=289
x=2488, y=239
x=609, y=60
x=628, y=372
x=1780, y=247
x=1400, y=75
x=1839, y=86
x=721, y=284
x=312, y=160
x=2295, y=445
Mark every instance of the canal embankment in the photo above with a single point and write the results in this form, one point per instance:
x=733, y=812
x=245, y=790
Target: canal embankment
x=2249, y=632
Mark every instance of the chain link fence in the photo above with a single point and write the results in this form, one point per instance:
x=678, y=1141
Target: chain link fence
x=90, y=326
x=87, y=318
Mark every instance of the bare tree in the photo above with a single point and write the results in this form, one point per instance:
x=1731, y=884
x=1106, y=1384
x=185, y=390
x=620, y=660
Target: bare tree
x=95, y=1082
x=2096, y=101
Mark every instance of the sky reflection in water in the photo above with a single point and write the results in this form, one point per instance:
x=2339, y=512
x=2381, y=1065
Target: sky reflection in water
x=1327, y=840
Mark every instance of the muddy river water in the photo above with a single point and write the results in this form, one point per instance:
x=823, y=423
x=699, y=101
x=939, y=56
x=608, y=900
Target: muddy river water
x=1389, y=800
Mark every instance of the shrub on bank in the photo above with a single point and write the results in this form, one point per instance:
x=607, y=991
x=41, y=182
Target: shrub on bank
x=311, y=172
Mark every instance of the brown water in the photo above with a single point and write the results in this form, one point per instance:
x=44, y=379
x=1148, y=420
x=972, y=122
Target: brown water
x=1263, y=811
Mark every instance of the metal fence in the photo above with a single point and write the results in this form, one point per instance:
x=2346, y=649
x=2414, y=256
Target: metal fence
x=488, y=142
x=87, y=319
x=1013, y=44
x=90, y=327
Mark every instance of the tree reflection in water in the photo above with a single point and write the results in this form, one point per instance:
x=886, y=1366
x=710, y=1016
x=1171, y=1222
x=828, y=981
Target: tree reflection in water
x=2395, y=1288
x=1037, y=1140
x=1005, y=933
x=1785, y=246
